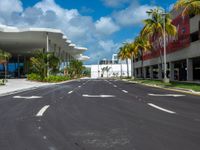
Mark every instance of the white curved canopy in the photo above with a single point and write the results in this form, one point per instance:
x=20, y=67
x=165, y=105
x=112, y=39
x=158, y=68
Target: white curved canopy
x=25, y=40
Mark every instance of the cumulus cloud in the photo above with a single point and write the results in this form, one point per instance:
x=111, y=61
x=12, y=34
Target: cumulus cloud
x=115, y=3
x=8, y=7
x=104, y=49
x=82, y=30
x=106, y=26
x=132, y=15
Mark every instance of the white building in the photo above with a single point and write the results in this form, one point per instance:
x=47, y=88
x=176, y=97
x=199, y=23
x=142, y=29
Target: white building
x=22, y=42
x=116, y=68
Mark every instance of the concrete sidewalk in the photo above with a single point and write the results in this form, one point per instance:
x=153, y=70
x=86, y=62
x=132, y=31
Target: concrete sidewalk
x=14, y=85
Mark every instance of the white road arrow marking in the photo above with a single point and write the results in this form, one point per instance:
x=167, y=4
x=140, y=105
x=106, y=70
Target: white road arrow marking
x=27, y=97
x=124, y=91
x=95, y=96
x=167, y=95
x=162, y=109
x=42, y=111
x=70, y=92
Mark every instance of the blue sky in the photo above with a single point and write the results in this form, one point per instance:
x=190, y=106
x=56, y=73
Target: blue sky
x=99, y=25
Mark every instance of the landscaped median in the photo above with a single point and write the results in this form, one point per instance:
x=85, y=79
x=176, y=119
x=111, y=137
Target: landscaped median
x=193, y=88
x=51, y=78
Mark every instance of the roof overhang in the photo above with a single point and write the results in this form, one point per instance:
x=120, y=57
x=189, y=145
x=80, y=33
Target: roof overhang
x=25, y=41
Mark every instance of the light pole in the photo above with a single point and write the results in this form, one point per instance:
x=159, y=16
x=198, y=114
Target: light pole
x=166, y=80
x=98, y=67
x=132, y=68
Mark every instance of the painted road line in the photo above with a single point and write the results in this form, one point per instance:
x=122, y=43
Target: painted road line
x=114, y=85
x=70, y=92
x=79, y=86
x=95, y=96
x=27, y=97
x=42, y=111
x=124, y=91
x=167, y=95
x=162, y=109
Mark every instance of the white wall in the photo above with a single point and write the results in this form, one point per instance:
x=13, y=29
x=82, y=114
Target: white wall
x=115, y=70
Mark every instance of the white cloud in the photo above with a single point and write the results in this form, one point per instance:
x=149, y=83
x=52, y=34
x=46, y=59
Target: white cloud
x=171, y=6
x=108, y=45
x=82, y=30
x=106, y=26
x=104, y=49
x=115, y=3
x=7, y=8
x=132, y=15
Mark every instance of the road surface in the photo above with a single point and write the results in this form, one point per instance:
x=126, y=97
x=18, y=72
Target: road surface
x=99, y=115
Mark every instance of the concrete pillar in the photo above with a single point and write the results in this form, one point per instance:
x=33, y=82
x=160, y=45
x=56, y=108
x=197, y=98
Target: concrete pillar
x=139, y=72
x=189, y=69
x=145, y=72
x=151, y=72
x=160, y=71
x=18, y=66
x=171, y=65
x=47, y=50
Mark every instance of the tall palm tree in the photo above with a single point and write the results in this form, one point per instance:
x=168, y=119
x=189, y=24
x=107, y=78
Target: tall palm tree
x=154, y=26
x=134, y=53
x=141, y=45
x=5, y=56
x=188, y=6
x=124, y=54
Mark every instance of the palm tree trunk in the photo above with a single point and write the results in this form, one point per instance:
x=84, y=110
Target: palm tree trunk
x=127, y=67
x=132, y=68
x=142, y=64
x=5, y=70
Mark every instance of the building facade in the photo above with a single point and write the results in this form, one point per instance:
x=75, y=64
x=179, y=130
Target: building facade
x=183, y=53
x=115, y=68
x=23, y=42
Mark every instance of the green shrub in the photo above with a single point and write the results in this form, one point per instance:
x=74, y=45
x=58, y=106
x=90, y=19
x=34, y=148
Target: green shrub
x=34, y=77
x=52, y=78
x=2, y=82
x=56, y=78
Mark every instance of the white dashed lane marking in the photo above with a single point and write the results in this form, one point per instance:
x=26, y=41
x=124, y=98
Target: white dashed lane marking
x=70, y=92
x=162, y=109
x=95, y=96
x=27, y=97
x=166, y=95
x=124, y=91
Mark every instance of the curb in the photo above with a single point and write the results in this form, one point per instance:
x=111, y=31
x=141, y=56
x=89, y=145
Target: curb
x=181, y=90
x=33, y=88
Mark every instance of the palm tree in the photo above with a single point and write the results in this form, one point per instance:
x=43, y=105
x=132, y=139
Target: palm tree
x=140, y=46
x=75, y=68
x=105, y=69
x=154, y=26
x=124, y=54
x=188, y=6
x=4, y=57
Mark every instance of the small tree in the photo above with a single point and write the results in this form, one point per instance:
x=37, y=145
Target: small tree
x=40, y=66
x=4, y=57
x=75, y=68
x=106, y=69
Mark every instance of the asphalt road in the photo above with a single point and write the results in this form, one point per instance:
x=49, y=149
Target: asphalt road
x=99, y=115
